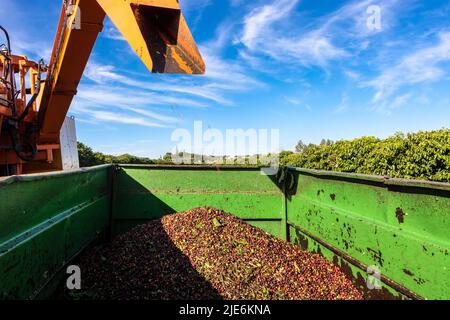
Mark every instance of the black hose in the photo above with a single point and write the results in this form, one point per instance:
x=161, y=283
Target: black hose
x=11, y=124
x=11, y=71
x=18, y=148
x=8, y=42
x=36, y=93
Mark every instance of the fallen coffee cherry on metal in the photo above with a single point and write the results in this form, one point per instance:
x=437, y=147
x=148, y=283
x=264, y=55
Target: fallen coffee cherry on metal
x=206, y=253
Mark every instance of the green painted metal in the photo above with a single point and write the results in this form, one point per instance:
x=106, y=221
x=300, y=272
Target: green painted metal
x=45, y=220
x=354, y=220
x=145, y=193
x=401, y=227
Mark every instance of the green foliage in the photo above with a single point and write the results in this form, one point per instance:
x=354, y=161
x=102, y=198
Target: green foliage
x=284, y=155
x=421, y=155
x=167, y=157
x=300, y=147
x=89, y=158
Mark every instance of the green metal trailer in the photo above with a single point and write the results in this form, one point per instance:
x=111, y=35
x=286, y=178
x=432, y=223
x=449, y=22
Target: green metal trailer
x=364, y=224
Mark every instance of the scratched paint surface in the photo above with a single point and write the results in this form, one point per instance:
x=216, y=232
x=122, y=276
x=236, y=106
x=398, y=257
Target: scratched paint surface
x=402, y=230
x=44, y=222
x=400, y=227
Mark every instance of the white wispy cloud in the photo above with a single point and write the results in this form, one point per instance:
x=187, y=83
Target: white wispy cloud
x=26, y=38
x=96, y=103
x=422, y=66
x=312, y=49
x=94, y=113
x=276, y=30
x=259, y=21
x=119, y=90
x=196, y=6
x=295, y=101
x=123, y=118
x=387, y=106
x=353, y=75
x=111, y=32
x=226, y=74
x=262, y=34
x=344, y=105
x=223, y=77
x=119, y=95
x=106, y=74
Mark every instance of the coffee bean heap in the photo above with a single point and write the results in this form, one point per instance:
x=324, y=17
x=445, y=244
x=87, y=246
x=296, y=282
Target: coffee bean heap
x=206, y=253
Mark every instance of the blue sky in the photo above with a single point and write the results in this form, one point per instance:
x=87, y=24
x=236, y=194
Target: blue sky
x=312, y=69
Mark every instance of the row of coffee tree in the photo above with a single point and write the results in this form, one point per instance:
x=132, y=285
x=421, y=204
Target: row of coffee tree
x=421, y=155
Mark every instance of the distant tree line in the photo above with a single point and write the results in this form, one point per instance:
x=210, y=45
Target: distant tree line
x=421, y=155
x=89, y=158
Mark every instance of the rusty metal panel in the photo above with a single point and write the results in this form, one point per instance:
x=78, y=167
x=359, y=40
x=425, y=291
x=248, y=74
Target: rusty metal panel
x=400, y=227
x=158, y=33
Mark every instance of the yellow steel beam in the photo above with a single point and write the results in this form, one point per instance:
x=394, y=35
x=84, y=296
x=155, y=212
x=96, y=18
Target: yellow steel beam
x=158, y=33
x=71, y=51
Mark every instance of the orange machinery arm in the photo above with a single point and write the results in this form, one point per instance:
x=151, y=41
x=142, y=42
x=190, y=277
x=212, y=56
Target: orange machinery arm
x=71, y=51
x=155, y=29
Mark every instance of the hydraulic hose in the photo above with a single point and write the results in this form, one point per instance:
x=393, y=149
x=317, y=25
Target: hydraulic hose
x=21, y=154
x=12, y=123
x=36, y=93
x=11, y=71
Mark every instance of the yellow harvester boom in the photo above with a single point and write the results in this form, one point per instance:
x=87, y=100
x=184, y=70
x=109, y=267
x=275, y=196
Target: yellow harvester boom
x=155, y=29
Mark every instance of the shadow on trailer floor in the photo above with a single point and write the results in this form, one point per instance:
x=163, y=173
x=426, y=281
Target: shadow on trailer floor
x=139, y=266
